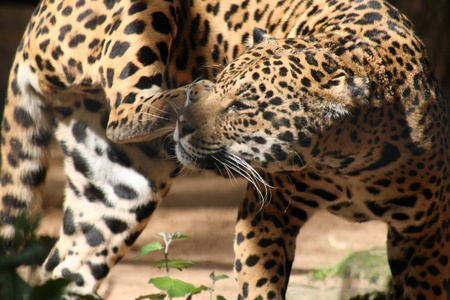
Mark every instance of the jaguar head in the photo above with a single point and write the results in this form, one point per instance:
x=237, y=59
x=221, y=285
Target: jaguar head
x=269, y=108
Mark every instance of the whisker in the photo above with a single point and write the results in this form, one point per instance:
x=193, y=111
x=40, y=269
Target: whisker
x=174, y=107
x=240, y=166
x=151, y=115
x=154, y=107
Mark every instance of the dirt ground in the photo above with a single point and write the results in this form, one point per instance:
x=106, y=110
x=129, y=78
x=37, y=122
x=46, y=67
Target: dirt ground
x=205, y=208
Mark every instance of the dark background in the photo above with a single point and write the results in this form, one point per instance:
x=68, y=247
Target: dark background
x=431, y=19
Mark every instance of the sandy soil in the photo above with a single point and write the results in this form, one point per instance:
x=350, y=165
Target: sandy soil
x=205, y=208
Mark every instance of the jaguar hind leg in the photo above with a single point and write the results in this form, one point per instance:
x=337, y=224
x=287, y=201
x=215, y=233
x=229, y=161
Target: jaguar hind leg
x=111, y=193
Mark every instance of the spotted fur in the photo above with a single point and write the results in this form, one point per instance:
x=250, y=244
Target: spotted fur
x=341, y=113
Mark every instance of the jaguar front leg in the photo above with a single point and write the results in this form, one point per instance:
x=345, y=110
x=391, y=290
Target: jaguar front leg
x=265, y=244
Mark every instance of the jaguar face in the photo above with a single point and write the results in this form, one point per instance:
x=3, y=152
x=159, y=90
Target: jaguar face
x=268, y=108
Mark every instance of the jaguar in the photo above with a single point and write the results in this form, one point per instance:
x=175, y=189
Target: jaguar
x=108, y=79
x=345, y=116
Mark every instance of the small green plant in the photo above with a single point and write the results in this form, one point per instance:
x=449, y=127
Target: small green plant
x=170, y=286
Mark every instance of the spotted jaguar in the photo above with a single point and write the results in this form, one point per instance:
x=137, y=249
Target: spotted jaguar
x=108, y=79
x=345, y=116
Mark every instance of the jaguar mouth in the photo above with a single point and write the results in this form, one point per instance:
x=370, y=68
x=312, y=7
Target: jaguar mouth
x=196, y=159
x=223, y=160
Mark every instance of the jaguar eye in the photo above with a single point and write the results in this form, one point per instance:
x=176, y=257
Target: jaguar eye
x=239, y=106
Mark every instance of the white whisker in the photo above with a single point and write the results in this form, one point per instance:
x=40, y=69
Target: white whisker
x=152, y=115
x=240, y=166
x=154, y=107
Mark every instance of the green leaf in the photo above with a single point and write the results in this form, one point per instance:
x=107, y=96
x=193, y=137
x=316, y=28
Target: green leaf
x=199, y=289
x=179, y=236
x=174, y=263
x=220, y=297
x=150, y=248
x=215, y=277
x=152, y=296
x=173, y=287
x=162, y=234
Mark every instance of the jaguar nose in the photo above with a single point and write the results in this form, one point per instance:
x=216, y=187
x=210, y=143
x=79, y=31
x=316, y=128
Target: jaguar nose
x=185, y=129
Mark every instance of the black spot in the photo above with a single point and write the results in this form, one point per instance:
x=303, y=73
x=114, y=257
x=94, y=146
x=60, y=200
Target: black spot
x=22, y=117
x=372, y=190
x=128, y=70
x=93, y=236
x=95, y=21
x=79, y=131
x=41, y=137
x=94, y=193
x=278, y=152
x=34, y=178
x=135, y=27
x=75, y=277
x=116, y=226
x=146, y=82
x=286, y=136
x=65, y=112
x=144, y=211
x=137, y=7
x=99, y=271
x=375, y=208
x=238, y=265
x=146, y=56
x=252, y=260
x=406, y=201
x=92, y=105
x=299, y=213
x=12, y=201
x=6, y=179
x=239, y=238
x=261, y=282
x=267, y=115
x=324, y=194
x=400, y=216
x=119, y=49
x=68, y=222
x=132, y=238
x=84, y=14
x=110, y=3
x=443, y=260
x=125, y=192
x=56, y=81
x=53, y=261
x=110, y=77
x=398, y=266
x=63, y=31
x=306, y=82
x=163, y=51
x=43, y=46
x=161, y=23
x=67, y=11
x=269, y=264
x=265, y=243
x=76, y=40
x=116, y=155
x=80, y=163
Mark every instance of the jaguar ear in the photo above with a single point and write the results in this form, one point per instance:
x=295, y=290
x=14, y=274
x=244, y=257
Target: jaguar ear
x=259, y=35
